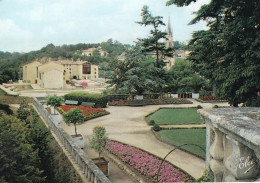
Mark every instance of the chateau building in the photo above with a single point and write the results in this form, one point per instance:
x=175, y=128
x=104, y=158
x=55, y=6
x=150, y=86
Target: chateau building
x=54, y=74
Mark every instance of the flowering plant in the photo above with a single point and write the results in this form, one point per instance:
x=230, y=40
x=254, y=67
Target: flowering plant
x=210, y=97
x=88, y=112
x=145, y=163
x=84, y=83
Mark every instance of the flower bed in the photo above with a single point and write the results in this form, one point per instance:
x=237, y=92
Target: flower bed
x=88, y=112
x=209, y=98
x=146, y=164
x=149, y=102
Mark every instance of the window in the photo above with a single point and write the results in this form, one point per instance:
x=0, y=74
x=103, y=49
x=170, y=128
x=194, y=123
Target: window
x=86, y=68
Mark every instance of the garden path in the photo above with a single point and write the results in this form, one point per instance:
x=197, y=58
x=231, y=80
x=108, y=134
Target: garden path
x=127, y=125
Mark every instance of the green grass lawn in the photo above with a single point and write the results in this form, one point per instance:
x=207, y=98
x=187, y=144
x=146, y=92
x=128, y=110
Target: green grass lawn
x=178, y=137
x=176, y=116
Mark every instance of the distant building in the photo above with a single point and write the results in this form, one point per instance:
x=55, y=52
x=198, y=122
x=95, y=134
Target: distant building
x=182, y=53
x=89, y=52
x=54, y=74
x=122, y=56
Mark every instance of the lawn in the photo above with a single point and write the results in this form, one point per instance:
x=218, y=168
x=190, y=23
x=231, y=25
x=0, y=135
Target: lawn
x=178, y=137
x=23, y=87
x=176, y=116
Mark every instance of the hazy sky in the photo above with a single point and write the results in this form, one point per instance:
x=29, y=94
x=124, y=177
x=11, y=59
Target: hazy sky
x=27, y=25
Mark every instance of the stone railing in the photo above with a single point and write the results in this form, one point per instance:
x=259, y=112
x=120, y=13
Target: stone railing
x=92, y=172
x=233, y=143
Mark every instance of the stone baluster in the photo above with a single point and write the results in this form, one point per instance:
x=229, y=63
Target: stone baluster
x=216, y=151
x=240, y=162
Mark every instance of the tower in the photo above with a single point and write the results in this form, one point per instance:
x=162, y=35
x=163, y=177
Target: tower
x=169, y=43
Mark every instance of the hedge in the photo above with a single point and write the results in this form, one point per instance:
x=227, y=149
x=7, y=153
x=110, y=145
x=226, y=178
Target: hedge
x=99, y=99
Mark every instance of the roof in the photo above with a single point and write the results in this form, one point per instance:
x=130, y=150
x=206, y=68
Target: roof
x=31, y=63
x=64, y=62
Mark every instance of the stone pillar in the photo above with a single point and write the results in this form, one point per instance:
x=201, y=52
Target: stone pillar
x=216, y=151
x=240, y=162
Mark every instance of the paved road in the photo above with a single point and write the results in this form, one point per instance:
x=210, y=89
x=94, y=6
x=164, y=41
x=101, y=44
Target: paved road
x=127, y=124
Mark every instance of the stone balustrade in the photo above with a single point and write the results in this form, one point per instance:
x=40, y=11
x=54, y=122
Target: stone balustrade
x=92, y=172
x=233, y=143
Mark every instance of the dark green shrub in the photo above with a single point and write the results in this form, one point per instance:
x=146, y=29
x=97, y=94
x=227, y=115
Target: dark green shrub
x=199, y=107
x=6, y=108
x=100, y=100
x=215, y=106
x=207, y=176
x=151, y=122
x=253, y=102
x=156, y=127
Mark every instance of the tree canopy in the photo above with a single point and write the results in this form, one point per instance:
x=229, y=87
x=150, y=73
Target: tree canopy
x=54, y=101
x=18, y=158
x=74, y=116
x=228, y=52
x=182, y=78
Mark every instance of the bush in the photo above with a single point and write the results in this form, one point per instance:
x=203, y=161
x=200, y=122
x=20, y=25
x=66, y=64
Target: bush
x=207, y=176
x=199, y=107
x=215, y=106
x=6, y=108
x=100, y=100
x=253, y=102
x=156, y=127
x=151, y=122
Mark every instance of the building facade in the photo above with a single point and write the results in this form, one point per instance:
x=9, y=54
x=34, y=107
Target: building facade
x=54, y=74
x=30, y=72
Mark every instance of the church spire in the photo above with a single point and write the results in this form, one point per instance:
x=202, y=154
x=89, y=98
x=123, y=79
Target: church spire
x=169, y=42
x=169, y=30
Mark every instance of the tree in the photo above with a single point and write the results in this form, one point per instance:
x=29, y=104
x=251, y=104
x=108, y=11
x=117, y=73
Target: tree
x=228, y=52
x=182, y=78
x=19, y=160
x=54, y=101
x=74, y=116
x=98, y=140
x=23, y=111
x=137, y=74
x=153, y=44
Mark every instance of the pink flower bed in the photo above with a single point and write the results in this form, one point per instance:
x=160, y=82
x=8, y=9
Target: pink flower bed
x=146, y=163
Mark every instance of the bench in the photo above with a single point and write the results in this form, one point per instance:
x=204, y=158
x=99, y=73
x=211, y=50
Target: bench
x=88, y=104
x=71, y=102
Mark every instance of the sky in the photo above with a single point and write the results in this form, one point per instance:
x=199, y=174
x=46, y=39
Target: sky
x=27, y=25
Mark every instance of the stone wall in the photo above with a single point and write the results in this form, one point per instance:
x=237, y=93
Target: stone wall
x=233, y=143
x=91, y=171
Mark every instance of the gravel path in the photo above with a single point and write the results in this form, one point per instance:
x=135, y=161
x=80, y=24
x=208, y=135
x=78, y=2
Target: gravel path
x=127, y=124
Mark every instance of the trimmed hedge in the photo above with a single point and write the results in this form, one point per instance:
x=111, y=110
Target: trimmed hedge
x=149, y=102
x=99, y=99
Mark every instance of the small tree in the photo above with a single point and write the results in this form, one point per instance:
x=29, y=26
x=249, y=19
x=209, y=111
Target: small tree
x=23, y=110
x=98, y=140
x=74, y=116
x=54, y=101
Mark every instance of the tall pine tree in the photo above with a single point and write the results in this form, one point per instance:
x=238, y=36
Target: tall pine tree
x=154, y=44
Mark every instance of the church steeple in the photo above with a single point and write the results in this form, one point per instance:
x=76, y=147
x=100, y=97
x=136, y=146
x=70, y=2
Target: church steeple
x=169, y=42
